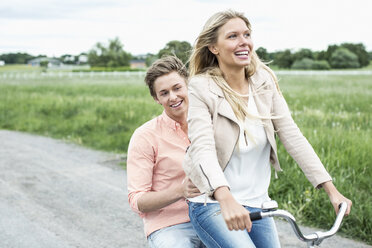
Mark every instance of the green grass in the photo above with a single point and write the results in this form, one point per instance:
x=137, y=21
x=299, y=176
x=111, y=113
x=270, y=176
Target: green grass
x=333, y=112
x=95, y=112
x=19, y=68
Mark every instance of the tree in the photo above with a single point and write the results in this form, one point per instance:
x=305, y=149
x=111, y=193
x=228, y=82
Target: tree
x=181, y=49
x=303, y=53
x=283, y=59
x=111, y=56
x=343, y=58
x=360, y=51
x=150, y=58
x=68, y=59
x=263, y=54
x=327, y=54
x=16, y=58
x=44, y=65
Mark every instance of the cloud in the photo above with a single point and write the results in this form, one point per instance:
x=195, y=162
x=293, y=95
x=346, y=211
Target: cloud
x=52, y=9
x=74, y=26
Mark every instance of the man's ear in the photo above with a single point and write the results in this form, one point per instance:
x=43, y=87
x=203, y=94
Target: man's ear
x=213, y=49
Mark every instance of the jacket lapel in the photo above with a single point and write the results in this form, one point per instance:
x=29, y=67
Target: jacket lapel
x=223, y=107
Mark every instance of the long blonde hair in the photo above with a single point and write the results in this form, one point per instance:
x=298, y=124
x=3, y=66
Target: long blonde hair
x=204, y=61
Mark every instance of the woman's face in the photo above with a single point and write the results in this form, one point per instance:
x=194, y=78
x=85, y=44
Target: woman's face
x=234, y=45
x=171, y=93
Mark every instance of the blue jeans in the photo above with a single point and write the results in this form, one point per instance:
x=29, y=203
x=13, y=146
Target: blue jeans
x=210, y=226
x=181, y=235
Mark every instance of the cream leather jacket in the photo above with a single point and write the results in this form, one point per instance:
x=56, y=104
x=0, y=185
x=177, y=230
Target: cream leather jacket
x=213, y=131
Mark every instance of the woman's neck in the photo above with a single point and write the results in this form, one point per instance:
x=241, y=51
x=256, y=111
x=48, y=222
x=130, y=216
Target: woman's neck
x=236, y=80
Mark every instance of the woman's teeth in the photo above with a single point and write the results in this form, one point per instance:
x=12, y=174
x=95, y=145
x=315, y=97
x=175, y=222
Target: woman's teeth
x=242, y=53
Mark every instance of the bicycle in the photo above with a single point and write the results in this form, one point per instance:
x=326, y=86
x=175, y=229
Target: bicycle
x=270, y=209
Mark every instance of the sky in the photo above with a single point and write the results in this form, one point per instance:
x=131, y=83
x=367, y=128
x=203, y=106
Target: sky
x=54, y=28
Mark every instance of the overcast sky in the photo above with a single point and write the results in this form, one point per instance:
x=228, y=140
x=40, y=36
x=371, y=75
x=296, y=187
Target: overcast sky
x=57, y=27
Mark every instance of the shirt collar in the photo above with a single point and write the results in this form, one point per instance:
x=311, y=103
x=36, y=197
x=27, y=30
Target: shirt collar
x=169, y=121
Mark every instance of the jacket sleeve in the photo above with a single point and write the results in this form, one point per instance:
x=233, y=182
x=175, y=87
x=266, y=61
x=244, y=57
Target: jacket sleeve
x=140, y=164
x=201, y=164
x=294, y=141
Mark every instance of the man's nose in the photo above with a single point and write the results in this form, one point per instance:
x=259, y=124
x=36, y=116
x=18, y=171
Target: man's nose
x=172, y=95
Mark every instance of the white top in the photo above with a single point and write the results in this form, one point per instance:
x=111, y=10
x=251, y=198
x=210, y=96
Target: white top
x=248, y=171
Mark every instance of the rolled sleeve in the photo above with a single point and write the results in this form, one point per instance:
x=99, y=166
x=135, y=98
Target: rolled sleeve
x=140, y=164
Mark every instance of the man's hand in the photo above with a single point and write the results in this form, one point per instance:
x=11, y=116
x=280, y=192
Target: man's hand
x=189, y=190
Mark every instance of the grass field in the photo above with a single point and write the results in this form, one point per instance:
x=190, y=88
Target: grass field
x=334, y=113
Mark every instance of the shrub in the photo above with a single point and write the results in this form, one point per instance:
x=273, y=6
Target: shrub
x=343, y=58
x=320, y=65
x=304, y=63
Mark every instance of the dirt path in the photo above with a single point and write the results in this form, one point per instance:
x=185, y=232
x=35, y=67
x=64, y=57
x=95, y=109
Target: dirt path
x=55, y=194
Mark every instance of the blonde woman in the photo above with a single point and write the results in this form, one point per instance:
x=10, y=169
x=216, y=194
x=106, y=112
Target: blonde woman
x=235, y=109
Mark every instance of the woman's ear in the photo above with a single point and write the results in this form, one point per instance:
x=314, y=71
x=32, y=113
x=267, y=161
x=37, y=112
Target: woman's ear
x=213, y=49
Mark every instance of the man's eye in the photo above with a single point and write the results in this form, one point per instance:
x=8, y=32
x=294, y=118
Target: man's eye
x=164, y=93
x=247, y=34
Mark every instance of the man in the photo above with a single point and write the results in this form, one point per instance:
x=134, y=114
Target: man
x=157, y=186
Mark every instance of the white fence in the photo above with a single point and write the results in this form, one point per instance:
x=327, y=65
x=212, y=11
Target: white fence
x=345, y=72
x=64, y=74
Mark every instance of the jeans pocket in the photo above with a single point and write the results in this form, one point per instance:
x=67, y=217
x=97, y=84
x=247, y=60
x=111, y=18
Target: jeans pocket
x=154, y=234
x=200, y=212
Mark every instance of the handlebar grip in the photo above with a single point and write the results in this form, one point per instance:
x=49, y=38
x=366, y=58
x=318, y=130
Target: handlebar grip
x=255, y=216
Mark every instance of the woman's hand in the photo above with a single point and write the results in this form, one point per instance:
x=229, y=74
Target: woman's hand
x=336, y=197
x=234, y=214
x=188, y=189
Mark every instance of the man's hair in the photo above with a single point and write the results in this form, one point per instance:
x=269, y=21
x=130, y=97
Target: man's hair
x=164, y=66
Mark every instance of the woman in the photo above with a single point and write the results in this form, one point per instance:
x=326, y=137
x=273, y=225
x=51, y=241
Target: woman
x=235, y=108
x=157, y=187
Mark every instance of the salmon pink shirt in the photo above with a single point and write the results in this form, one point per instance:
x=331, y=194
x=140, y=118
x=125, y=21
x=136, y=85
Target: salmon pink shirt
x=155, y=155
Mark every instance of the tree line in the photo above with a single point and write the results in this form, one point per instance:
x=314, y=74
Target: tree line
x=112, y=55
x=346, y=55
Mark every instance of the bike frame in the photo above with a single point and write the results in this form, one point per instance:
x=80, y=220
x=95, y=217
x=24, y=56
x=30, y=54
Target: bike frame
x=314, y=239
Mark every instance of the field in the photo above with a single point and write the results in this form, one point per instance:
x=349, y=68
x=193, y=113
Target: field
x=334, y=113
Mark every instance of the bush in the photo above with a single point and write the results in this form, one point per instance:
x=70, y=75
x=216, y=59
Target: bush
x=342, y=58
x=305, y=64
x=309, y=64
x=320, y=65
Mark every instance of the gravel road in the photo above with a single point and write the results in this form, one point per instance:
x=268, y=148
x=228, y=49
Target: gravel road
x=55, y=194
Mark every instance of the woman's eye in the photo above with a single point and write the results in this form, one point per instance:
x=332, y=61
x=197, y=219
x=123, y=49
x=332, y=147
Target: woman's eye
x=247, y=35
x=231, y=36
x=164, y=93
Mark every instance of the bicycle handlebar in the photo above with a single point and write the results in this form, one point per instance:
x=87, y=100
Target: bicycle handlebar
x=313, y=238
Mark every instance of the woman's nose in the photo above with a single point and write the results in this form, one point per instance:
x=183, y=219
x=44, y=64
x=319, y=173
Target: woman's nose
x=243, y=40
